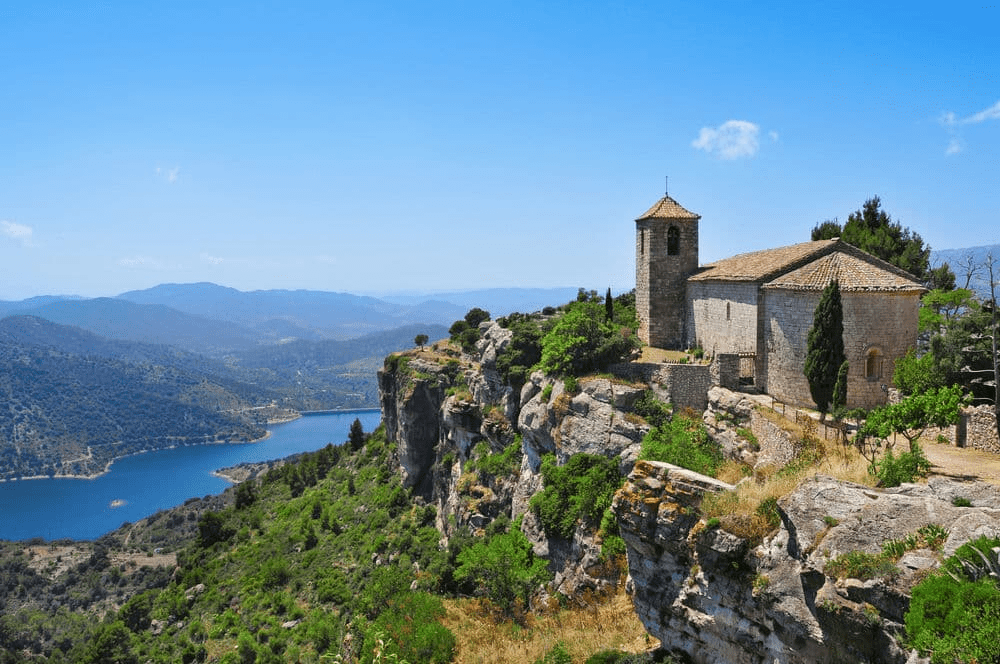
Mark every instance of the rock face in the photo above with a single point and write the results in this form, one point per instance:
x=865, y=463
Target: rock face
x=717, y=597
x=446, y=411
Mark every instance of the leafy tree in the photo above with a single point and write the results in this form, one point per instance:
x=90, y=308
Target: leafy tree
x=521, y=353
x=475, y=316
x=825, y=345
x=827, y=230
x=420, y=340
x=581, y=340
x=909, y=418
x=917, y=374
x=504, y=569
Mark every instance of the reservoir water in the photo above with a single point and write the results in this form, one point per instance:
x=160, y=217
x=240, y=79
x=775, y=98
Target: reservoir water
x=140, y=485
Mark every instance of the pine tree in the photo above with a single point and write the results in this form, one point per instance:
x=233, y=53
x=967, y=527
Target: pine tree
x=825, y=347
x=356, y=437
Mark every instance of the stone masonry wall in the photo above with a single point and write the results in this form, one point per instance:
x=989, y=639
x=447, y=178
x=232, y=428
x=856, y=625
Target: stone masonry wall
x=886, y=321
x=660, y=280
x=981, y=429
x=722, y=317
x=684, y=385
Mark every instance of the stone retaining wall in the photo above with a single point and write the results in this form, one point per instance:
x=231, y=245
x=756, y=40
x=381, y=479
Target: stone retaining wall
x=684, y=385
x=978, y=430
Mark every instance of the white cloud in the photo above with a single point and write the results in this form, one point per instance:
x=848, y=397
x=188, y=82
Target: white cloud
x=991, y=113
x=773, y=135
x=141, y=262
x=951, y=121
x=212, y=260
x=730, y=140
x=18, y=232
x=170, y=174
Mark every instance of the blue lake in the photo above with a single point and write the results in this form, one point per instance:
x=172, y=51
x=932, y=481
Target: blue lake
x=145, y=483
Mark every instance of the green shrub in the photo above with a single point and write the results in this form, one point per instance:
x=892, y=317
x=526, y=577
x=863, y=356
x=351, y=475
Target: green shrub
x=581, y=489
x=547, y=393
x=411, y=624
x=861, y=565
x=522, y=353
x=683, y=442
x=958, y=501
x=502, y=464
x=954, y=618
x=583, y=340
x=571, y=385
x=504, y=569
x=654, y=411
x=893, y=471
x=557, y=654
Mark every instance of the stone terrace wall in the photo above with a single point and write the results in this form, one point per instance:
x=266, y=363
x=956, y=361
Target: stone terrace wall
x=980, y=428
x=684, y=385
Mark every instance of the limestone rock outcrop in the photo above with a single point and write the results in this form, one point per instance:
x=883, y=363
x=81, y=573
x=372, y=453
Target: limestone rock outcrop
x=444, y=410
x=718, y=597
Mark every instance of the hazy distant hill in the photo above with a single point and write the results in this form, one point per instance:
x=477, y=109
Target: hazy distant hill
x=303, y=313
x=329, y=374
x=959, y=259
x=149, y=323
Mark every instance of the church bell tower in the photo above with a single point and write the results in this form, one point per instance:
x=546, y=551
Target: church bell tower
x=666, y=254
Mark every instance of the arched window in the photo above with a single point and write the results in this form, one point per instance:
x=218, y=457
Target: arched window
x=727, y=310
x=673, y=241
x=642, y=242
x=873, y=364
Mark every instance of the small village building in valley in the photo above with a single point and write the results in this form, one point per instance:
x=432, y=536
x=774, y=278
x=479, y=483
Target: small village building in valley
x=760, y=305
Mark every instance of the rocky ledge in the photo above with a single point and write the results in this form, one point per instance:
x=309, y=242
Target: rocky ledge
x=717, y=597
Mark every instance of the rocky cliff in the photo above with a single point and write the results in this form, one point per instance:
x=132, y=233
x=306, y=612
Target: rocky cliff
x=718, y=597
x=708, y=594
x=446, y=411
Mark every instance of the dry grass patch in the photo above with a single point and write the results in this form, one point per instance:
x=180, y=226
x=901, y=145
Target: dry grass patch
x=609, y=624
x=746, y=512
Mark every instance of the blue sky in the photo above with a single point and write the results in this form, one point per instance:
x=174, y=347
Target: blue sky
x=382, y=147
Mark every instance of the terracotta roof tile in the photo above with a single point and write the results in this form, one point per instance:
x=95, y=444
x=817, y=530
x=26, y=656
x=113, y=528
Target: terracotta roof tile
x=763, y=265
x=668, y=208
x=853, y=272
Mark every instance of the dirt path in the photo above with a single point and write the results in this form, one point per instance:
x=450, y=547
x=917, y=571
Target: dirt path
x=962, y=463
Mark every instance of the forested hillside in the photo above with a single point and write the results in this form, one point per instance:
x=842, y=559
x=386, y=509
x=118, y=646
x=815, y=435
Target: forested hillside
x=66, y=413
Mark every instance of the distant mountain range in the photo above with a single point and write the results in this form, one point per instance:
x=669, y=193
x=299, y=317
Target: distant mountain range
x=215, y=320
x=84, y=381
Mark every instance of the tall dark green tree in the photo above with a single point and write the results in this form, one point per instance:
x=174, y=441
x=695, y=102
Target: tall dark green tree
x=871, y=229
x=825, y=345
x=609, y=306
x=356, y=436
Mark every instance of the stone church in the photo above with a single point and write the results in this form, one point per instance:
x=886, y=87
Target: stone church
x=760, y=305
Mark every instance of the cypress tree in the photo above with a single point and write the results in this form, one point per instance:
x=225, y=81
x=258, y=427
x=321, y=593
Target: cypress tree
x=825, y=347
x=356, y=437
x=609, y=307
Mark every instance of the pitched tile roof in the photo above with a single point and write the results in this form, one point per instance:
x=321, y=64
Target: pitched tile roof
x=811, y=266
x=668, y=208
x=763, y=265
x=852, y=272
